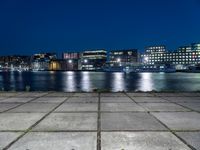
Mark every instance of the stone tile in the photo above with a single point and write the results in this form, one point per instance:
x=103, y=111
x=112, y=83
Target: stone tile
x=57, y=141
x=183, y=99
x=83, y=100
x=59, y=94
x=149, y=99
x=7, y=137
x=180, y=120
x=31, y=94
x=77, y=107
x=193, y=106
x=163, y=107
x=116, y=100
x=169, y=94
x=6, y=106
x=190, y=94
x=50, y=99
x=18, y=121
x=140, y=94
x=68, y=121
x=129, y=121
x=16, y=100
x=120, y=107
x=8, y=94
x=192, y=138
x=141, y=141
x=2, y=98
x=86, y=95
x=35, y=107
x=113, y=94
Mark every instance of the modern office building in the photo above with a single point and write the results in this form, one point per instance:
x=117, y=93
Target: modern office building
x=93, y=59
x=154, y=55
x=123, y=57
x=182, y=58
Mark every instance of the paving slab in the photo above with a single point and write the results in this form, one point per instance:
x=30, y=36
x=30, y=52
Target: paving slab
x=163, y=107
x=68, y=121
x=31, y=94
x=192, y=138
x=6, y=106
x=113, y=94
x=112, y=107
x=2, y=98
x=59, y=94
x=50, y=100
x=169, y=94
x=35, y=107
x=183, y=99
x=16, y=100
x=180, y=120
x=116, y=100
x=141, y=141
x=8, y=94
x=77, y=107
x=129, y=121
x=141, y=94
x=193, y=106
x=57, y=141
x=86, y=95
x=83, y=100
x=18, y=121
x=8, y=137
x=190, y=94
x=149, y=100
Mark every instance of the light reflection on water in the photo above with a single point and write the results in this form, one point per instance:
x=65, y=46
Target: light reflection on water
x=88, y=81
x=145, y=82
x=118, y=82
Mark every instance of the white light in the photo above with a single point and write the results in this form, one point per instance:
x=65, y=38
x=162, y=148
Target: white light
x=146, y=58
x=118, y=60
x=70, y=61
x=85, y=60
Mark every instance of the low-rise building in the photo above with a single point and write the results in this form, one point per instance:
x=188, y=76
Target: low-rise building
x=42, y=61
x=93, y=59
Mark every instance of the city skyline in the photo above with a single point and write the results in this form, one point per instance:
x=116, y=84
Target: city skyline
x=35, y=26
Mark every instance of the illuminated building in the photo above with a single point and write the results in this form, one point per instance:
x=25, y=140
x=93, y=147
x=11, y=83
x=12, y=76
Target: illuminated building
x=71, y=61
x=123, y=57
x=182, y=58
x=42, y=61
x=15, y=62
x=93, y=59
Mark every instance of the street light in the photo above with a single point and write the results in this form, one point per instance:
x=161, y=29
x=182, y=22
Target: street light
x=70, y=61
x=85, y=60
x=118, y=60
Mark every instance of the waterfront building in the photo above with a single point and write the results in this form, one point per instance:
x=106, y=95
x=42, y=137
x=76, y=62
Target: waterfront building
x=182, y=58
x=123, y=57
x=15, y=62
x=71, y=61
x=93, y=59
x=154, y=55
x=42, y=61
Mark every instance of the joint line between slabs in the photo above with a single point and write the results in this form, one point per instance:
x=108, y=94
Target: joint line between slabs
x=30, y=128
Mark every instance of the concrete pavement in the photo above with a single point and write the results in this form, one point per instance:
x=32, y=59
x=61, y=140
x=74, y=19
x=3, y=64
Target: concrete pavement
x=99, y=121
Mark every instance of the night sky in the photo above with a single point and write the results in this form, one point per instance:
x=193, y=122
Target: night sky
x=32, y=26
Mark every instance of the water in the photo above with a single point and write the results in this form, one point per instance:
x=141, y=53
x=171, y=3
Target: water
x=88, y=81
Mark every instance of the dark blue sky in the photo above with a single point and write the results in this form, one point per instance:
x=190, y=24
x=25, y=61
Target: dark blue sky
x=31, y=26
